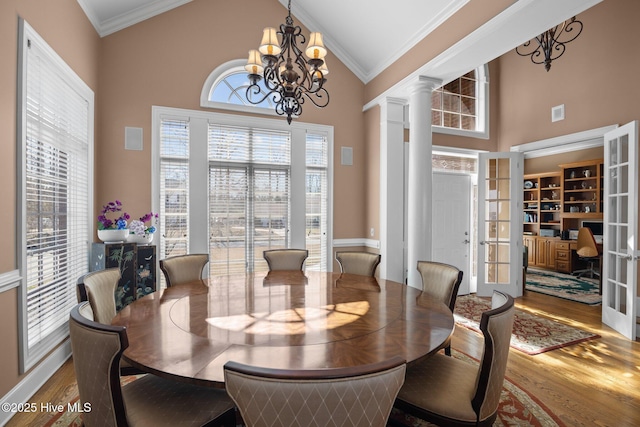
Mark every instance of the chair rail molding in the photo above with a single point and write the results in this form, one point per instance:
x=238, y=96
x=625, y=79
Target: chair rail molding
x=9, y=280
x=367, y=243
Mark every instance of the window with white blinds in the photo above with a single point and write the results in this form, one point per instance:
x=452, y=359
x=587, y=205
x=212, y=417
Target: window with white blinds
x=55, y=196
x=241, y=185
x=174, y=187
x=249, y=196
x=316, y=189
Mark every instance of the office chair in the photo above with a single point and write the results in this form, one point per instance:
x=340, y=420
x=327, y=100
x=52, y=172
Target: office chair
x=587, y=251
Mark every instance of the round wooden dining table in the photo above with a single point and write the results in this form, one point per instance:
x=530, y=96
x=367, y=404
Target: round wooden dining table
x=282, y=319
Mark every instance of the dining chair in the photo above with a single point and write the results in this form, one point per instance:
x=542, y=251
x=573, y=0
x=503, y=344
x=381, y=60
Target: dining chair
x=285, y=259
x=147, y=401
x=353, y=262
x=98, y=289
x=442, y=282
x=183, y=268
x=448, y=391
x=360, y=396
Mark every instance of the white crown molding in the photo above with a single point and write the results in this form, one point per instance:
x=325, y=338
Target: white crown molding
x=117, y=23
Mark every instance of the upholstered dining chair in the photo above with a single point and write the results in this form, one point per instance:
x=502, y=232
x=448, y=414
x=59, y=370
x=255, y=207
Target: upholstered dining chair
x=442, y=282
x=361, y=396
x=363, y=263
x=98, y=288
x=146, y=401
x=183, y=268
x=285, y=259
x=448, y=391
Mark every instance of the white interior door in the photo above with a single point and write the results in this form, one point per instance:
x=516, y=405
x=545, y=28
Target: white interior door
x=620, y=242
x=452, y=219
x=500, y=223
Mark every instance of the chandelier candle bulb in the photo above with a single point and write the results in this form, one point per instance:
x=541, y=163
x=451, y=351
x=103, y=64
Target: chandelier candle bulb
x=269, y=44
x=316, y=49
x=254, y=63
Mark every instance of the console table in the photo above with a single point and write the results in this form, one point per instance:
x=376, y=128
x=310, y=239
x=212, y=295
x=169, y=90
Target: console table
x=137, y=264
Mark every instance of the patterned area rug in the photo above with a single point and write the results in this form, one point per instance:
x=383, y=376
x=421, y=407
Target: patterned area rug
x=531, y=334
x=584, y=290
x=516, y=408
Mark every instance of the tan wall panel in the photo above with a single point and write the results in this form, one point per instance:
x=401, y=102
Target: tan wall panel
x=166, y=60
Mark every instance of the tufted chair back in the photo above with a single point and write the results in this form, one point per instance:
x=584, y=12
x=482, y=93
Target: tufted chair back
x=361, y=396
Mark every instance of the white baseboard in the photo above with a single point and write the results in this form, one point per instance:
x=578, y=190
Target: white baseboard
x=367, y=243
x=35, y=379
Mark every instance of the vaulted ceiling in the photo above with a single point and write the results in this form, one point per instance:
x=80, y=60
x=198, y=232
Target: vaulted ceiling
x=368, y=36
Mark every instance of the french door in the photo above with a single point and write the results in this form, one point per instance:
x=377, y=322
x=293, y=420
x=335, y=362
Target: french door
x=620, y=242
x=500, y=223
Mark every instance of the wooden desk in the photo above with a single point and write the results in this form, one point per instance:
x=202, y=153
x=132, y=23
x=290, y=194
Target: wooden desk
x=281, y=320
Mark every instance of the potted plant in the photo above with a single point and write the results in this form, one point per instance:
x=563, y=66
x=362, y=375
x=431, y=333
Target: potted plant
x=112, y=231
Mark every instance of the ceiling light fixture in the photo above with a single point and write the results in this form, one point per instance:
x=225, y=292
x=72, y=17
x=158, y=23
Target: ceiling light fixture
x=289, y=78
x=550, y=43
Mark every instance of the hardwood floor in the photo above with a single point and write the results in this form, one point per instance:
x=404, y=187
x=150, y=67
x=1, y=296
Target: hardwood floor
x=595, y=383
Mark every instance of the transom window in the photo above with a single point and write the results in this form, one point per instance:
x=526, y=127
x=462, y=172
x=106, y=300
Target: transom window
x=454, y=105
x=232, y=89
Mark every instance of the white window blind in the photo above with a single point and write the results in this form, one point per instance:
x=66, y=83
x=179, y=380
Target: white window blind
x=55, y=193
x=316, y=201
x=174, y=187
x=249, y=196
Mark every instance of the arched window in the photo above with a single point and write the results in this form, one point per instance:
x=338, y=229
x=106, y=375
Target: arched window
x=226, y=88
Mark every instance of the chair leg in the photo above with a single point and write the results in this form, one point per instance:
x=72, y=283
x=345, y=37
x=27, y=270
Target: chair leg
x=447, y=350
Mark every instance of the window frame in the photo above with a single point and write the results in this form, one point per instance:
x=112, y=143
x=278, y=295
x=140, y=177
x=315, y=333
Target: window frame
x=29, y=357
x=219, y=74
x=482, y=105
x=200, y=119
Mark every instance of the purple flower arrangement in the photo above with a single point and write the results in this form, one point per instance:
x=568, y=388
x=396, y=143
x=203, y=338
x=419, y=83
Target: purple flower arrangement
x=105, y=223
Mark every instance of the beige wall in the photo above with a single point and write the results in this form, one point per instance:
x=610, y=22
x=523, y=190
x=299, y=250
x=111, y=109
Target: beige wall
x=166, y=60
x=64, y=26
x=595, y=79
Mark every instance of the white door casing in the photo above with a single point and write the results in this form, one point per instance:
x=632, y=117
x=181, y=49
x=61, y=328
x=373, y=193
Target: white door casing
x=500, y=223
x=620, y=242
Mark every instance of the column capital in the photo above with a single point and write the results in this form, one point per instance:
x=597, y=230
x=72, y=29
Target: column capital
x=425, y=83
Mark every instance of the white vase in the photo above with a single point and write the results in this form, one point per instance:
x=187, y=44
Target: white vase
x=140, y=240
x=113, y=236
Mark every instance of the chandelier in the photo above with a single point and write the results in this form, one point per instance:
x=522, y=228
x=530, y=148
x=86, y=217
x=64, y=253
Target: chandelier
x=551, y=43
x=289, y=78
